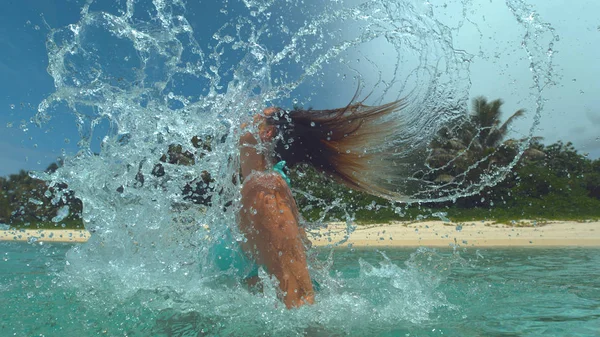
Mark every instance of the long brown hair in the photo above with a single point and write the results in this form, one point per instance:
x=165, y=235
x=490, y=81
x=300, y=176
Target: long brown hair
x=349, y=144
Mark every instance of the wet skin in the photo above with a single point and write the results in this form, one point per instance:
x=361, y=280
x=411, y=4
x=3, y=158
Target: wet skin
x=269, y=219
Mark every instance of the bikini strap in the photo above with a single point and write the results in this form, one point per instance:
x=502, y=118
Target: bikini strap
x=279, y=169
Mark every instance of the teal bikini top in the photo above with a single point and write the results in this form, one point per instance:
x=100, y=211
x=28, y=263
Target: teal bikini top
x=279, y=169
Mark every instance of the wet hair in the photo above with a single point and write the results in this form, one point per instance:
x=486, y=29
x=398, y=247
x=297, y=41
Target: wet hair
x=349, y=144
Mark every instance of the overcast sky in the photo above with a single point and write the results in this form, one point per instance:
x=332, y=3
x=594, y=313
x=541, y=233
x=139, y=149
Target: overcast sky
x=499, y=69
x=572, y=110
x=500, y=65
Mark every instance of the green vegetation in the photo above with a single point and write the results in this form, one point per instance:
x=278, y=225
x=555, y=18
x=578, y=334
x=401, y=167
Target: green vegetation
x=543, y=189
x=472, y=145
x=552, y=182
x=26, y=202
x=548, y=182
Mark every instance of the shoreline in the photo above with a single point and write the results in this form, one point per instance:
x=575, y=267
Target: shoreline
x=45, y=235
x=402, y=234
x=525, y=233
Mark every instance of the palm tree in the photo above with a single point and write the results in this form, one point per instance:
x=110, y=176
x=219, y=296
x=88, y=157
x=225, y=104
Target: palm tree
x=486, y=116
x=474, y=144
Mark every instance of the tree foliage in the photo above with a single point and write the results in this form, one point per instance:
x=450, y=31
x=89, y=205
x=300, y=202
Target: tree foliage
x=27, y=201
x=549, y=182
x=473, y=145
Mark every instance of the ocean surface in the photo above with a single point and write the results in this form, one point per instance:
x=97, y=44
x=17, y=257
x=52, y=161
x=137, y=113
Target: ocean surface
x=392, y=292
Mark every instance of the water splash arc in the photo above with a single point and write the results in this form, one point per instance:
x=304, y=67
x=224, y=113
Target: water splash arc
x=145, y=76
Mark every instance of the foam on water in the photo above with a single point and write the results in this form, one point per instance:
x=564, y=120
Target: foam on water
x=143, y=75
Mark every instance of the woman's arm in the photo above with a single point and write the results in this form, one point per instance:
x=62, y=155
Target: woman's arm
x=251, y=156
x=269, y=218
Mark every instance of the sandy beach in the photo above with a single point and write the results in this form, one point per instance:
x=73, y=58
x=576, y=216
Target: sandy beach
x=404, y=234
x=468, y=234
x=45, y=235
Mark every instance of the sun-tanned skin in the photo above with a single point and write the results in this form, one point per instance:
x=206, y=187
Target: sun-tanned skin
x=269, y=218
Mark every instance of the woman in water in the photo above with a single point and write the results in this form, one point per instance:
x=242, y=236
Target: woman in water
x=336, y=143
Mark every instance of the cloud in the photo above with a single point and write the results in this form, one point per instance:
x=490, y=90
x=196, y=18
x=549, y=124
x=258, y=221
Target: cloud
x=593, y=117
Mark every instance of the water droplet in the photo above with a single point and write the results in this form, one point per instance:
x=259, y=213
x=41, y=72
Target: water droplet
x=35, y=201
x=62, y=213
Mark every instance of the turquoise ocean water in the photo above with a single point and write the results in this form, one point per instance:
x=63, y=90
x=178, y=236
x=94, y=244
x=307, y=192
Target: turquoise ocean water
x=392, y=292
